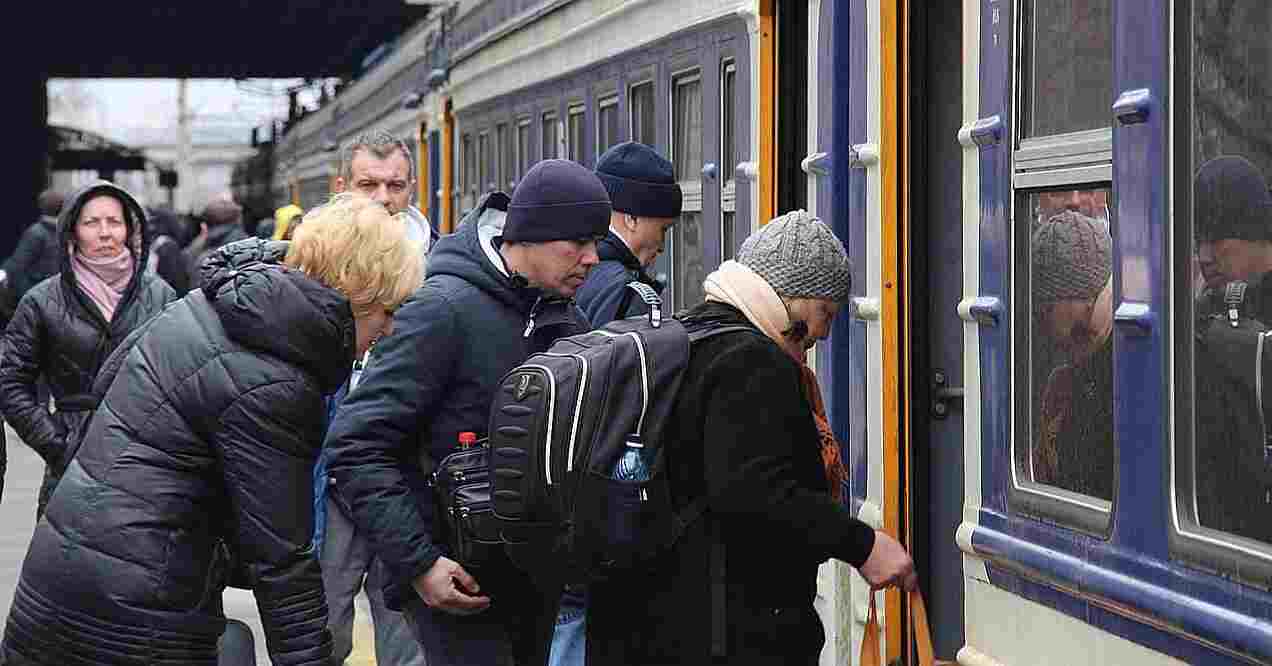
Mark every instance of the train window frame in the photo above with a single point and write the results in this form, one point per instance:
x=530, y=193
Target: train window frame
x=1191, y=543
x=603, y=103
x=522, y=163
x=484, y=162
x=576, y=110
x=691, y=189
x=728, y=190
x=1063, y=161
x=554, y=117
x=1023, y=59
x=640, y=82
x=503, y=156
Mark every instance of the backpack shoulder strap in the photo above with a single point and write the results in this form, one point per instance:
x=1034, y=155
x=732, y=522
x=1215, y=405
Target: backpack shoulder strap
x=699, y=334
x=648, y=295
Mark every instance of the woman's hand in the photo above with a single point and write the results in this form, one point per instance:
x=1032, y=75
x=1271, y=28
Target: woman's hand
x=889, y=564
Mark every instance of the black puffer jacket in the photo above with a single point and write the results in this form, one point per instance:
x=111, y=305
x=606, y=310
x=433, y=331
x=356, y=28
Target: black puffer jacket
x=59, y=334
x=207, y=434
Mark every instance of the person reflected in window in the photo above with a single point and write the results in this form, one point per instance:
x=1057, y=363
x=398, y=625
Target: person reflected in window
x=1232, y=214
x=1072, y=292
x=1232, y=217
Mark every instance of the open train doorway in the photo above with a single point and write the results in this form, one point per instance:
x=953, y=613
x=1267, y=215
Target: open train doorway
x=933, y=197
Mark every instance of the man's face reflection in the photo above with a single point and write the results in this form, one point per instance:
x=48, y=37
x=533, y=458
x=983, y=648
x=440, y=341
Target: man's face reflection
x=1093, y=203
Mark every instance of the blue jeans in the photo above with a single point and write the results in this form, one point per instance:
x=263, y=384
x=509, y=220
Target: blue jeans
x=569, y=640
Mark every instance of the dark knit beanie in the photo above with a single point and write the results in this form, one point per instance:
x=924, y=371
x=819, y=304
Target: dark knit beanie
x=1231, y=200
x=557, y=200
x=800, y=257
x=640, y=181
x=1072, y=259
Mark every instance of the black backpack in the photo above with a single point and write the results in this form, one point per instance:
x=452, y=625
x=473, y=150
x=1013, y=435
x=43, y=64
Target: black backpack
x=558, y=425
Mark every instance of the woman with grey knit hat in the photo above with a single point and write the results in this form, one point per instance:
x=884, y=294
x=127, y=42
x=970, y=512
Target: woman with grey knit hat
x=1071, y=287
x=750, y=433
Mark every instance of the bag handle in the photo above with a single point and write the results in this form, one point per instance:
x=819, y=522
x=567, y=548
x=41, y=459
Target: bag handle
x=922, y=633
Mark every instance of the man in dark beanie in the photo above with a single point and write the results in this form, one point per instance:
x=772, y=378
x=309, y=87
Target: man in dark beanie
x=498, y=290
x=1232, y=221
x=224, y=225
x=646, y=199
x=1071, y=287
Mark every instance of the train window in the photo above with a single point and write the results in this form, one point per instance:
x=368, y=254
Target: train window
x=523, y=149
x=1223, y=213
x=1067, y=58
x=484, y=163
x=689, y=268
x=469, y=165
x=575, y=133
x=551, y=139
x=503, y=145
x=640, y=100
x=686, y=126
x=1064, y=445
x=607, y=124
x=728, y=156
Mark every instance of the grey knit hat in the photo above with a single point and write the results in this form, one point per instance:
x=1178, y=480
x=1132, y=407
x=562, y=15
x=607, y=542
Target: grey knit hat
x=1072, y=259
x=800, y=257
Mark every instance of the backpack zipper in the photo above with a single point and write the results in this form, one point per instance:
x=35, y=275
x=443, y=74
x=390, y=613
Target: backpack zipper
x=644, y=374
x=578, y=406
x=547, y=448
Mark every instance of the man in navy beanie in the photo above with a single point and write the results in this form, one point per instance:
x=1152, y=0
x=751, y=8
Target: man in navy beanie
x=1232, y=219
x=497, y=290
x=646, y=199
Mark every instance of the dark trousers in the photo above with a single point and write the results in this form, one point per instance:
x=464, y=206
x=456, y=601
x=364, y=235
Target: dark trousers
x=516, y=630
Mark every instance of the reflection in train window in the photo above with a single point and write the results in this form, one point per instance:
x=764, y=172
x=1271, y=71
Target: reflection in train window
x=686, y=126
x=575, y=134
x=1230, y=286
x=640, y=101
x=523, y=148
x=607, y=124
x=551, y=139
x=1067, y=52
x=1066, y=436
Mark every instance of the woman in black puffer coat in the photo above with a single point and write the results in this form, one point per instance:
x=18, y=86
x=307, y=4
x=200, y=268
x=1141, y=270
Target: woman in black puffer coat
x=66, y=326
x=209, y=424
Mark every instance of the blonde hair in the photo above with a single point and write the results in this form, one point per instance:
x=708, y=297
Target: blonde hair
x=352, y=244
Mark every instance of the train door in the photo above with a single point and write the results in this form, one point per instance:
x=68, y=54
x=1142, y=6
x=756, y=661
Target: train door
x=933, y=287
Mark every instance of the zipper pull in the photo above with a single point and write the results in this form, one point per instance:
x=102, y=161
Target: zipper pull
x=534, y=309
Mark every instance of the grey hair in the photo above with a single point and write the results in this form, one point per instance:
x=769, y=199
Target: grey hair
x=381, y=145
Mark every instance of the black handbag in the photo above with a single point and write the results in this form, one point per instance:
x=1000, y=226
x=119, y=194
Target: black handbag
x=461, y=485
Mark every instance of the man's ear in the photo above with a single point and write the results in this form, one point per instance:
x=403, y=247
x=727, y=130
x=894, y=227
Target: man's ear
x=340, y=185
x=630, y=222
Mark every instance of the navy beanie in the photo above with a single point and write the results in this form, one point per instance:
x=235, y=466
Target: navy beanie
x=640, y=181
x=557, y=200
x=1231, y=200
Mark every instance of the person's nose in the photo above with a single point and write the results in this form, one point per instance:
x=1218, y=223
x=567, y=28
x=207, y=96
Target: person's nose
x=590, y=257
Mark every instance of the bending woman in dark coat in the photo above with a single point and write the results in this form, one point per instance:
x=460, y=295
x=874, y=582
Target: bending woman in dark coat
x=750, y=435
x=204, y=442
x=66, y=326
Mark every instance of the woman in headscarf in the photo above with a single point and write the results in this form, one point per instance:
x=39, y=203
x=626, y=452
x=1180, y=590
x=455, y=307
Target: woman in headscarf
x=66, y=326
x=209, y=425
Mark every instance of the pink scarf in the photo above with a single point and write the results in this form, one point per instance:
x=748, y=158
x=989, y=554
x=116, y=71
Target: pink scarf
x=103, y=280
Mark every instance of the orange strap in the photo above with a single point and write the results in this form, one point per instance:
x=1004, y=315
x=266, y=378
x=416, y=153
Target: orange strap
x=922, y=634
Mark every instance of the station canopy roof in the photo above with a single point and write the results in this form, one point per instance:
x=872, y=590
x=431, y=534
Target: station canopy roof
x=219, y=38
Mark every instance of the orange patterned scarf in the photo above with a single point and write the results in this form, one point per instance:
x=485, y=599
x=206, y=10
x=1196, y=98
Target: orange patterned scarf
x=831, y=460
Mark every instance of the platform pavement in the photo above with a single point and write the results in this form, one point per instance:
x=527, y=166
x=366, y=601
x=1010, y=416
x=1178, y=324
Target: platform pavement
x=17, y=520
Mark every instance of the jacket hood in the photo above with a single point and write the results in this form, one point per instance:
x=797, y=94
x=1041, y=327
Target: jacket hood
x=137, y=240
x=470, y=254
x=267, y=306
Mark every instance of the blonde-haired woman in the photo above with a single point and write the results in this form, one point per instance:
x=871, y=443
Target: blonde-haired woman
x=204, y=439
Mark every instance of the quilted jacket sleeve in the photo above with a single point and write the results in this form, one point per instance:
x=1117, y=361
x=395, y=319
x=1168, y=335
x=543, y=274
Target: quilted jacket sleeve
x=268, y=443
x=24, y=347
